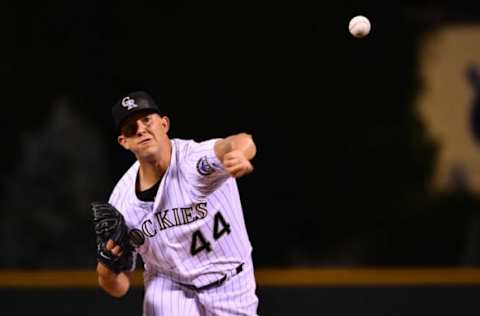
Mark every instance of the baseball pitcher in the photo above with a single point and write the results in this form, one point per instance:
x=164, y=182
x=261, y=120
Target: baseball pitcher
x=178, y=207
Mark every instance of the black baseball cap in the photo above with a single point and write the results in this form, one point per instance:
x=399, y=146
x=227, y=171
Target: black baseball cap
x=133, y=102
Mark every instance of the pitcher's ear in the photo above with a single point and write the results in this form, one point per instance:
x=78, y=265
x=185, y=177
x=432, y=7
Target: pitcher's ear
x=122, y=140
x=166, y=123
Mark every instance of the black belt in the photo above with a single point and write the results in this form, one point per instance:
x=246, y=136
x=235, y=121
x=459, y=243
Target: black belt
x=215, y=283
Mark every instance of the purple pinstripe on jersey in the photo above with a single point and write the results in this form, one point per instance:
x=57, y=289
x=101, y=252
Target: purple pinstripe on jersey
x=194, y=193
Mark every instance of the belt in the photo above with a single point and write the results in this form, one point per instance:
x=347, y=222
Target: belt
x=214, y=284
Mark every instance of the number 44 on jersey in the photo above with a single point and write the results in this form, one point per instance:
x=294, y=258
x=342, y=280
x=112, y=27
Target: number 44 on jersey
x=200, y=243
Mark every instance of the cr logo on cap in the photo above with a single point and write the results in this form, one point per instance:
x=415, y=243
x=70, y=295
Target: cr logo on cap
x=129, y=103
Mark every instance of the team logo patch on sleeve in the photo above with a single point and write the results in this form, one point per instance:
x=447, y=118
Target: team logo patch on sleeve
x=204, y=167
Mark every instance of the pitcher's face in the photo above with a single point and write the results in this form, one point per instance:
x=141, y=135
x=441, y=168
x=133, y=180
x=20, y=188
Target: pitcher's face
x=144, y=133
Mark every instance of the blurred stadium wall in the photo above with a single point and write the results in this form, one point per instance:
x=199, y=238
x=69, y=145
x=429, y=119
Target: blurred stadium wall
x=294, y=291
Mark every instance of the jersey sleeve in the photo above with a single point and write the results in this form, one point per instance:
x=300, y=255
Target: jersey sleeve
x=202, y=168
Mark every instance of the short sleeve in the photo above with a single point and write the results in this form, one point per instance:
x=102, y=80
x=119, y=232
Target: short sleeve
x=202, y=168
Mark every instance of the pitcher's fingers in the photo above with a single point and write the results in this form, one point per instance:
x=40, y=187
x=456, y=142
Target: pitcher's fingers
x=233, y=169
x=230, y=162
x=110, y=244
x=242, y=172
x=116, y=250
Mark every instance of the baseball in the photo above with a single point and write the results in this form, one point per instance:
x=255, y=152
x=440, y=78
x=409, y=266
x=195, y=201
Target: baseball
x=359, y=26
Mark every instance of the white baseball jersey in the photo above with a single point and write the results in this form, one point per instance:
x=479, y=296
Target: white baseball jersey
x=194, y=231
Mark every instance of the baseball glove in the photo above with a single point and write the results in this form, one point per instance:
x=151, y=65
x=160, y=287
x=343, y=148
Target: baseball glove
x=110, y=224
